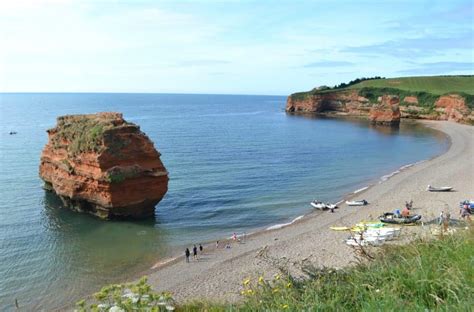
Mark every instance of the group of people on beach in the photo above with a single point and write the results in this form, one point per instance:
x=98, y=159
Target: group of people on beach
x=187, y=253
x=235, y=238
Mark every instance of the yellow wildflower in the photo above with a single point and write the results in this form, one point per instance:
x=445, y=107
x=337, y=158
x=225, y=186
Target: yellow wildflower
x=277, y=276
x=284, y=306
x=289, y=285
x=249, y=292
x=247, y=281
x=260, y=279
x=275, y=290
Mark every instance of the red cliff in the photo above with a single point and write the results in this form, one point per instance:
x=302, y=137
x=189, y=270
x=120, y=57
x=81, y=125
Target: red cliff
x=347, y=102
x=103, y=165
x=387, y=112
x=382, y=110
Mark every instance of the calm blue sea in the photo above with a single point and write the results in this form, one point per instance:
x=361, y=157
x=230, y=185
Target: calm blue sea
x=236, y=163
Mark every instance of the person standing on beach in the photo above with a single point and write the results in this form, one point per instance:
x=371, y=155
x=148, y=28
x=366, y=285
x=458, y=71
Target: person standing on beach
x=187, y=254
x=200, y=248
x=465, y=212
x=195, y=252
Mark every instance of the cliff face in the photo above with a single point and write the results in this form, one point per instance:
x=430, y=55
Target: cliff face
x=103, y=165
x=387, y=110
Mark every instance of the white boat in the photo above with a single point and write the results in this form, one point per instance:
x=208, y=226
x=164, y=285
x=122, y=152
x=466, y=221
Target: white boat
x=439, y=189
x=389, y=232
x=331, y=206
x=318, y=205
x=372, y=241
x=356, y=202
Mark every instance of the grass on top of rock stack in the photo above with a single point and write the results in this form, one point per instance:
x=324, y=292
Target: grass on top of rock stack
x=422, y=276
x=84, y=133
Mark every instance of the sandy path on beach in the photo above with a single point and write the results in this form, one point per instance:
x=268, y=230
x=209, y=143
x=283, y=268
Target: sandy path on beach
x=219, y=273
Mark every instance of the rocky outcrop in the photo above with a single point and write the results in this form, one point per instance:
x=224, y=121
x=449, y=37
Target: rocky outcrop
x=347, y=102
x=103, y=165
x=387, y=112
x=452, y=107
x=382, y=110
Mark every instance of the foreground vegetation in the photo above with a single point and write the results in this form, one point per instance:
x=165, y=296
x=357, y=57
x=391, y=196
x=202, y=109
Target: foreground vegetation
x=435, y=275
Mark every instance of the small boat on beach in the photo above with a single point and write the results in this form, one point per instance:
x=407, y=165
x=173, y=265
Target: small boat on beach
x=364, y=241
x=318, y=205
x=357, y=202
x=390, y=217
x=439, y=189
x=331, y=206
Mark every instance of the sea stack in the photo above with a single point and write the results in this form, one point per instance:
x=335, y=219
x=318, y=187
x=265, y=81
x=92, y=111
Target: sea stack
x=103, y=165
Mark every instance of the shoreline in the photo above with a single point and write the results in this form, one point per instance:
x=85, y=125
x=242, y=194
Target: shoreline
x=176, y=256
x=219, y=273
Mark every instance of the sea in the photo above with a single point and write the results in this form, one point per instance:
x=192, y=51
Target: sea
x=237, y=163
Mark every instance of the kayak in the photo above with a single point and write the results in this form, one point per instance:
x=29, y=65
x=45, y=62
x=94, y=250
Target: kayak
x=439, y=189
x=356, y=202
x=340, y=228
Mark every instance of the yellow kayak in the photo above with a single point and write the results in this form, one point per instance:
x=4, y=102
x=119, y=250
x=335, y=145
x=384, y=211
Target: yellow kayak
x=340, y=228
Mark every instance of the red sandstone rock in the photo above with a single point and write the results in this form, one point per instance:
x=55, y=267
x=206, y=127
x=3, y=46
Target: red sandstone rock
x=387, y=112
x=345, y=102
x=103, y=165
x=452, y=107
x=348, y=102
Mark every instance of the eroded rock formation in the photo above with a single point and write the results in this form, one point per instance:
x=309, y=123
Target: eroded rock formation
x=103, y=165
x=387, y=112
x=383, y=110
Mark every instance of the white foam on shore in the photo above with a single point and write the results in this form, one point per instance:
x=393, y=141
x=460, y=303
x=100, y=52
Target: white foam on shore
x=281, y=225
x=388, y=176
x=163, y=262
x=360, y=190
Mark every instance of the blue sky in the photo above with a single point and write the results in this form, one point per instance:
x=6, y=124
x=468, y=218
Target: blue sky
x=234, y=47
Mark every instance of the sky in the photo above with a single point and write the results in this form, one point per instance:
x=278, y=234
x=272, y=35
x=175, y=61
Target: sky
x=229, y=47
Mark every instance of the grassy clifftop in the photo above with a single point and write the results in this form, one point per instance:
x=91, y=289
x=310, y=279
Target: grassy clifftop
x=426, y=89
x=437, y=85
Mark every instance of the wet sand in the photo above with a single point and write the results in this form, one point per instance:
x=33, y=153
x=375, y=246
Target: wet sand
x=219, y=272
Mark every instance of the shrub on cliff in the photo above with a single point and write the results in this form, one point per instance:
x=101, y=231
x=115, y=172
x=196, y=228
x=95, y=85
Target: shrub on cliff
x=128, y=297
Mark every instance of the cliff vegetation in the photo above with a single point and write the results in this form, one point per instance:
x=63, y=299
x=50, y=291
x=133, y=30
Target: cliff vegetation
x=425, y=275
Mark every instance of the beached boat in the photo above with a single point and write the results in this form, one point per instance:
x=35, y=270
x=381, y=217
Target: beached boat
x=390, y=217
x=364, y=241
x=439, y=189
x=318, y=205
x=356, y=202
x=331, y=206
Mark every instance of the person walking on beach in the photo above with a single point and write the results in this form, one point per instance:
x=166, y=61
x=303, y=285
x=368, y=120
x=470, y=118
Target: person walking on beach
x=187, y=254
x=195, y=252
x=200, y=248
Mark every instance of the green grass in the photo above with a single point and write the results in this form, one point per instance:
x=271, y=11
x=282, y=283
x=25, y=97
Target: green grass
x=425, y=275
x=437, y=85
x=84, y=133
x=433, y=275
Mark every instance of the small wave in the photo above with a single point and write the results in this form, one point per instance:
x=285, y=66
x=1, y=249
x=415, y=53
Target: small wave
x=388, y=176
x=281, y=225
x=361, y=189
x=163, y=262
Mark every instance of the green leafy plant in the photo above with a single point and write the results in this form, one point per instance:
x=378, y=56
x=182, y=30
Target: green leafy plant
x=128, y=297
